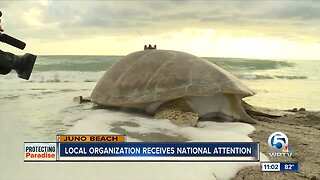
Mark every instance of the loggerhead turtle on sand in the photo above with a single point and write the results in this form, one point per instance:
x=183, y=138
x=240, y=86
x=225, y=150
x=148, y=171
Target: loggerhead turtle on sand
x=173, y=85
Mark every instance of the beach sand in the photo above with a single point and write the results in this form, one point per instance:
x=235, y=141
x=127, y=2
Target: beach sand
x=303, y=132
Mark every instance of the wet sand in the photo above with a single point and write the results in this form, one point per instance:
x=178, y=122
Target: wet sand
x=303, y=132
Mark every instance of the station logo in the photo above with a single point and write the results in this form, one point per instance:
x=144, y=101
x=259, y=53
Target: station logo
x=279, y=145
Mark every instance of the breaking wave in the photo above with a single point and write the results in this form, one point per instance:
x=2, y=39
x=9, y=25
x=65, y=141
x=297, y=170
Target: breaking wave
x=249, y=64
x=101, y=63
x=56, y=77
x=65, y=76
x=60, y=69
x=261, y=77
x=74, y=63
x=77, y=76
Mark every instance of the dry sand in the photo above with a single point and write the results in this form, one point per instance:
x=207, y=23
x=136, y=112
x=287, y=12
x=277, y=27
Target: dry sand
x=303, y=131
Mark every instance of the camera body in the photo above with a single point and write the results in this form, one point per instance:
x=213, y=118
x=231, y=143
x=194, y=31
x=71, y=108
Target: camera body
x=8, y=61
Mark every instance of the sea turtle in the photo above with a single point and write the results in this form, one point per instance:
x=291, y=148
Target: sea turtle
x=174, y=85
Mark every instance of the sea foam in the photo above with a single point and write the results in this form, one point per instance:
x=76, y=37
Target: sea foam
x=137, y=127
x=38, y=115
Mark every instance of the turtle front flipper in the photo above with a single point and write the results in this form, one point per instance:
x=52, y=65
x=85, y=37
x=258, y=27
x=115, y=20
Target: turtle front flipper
x=81, y=99
x=178, y=112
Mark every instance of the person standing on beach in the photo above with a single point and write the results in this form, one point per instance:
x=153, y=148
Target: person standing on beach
x=22, y=64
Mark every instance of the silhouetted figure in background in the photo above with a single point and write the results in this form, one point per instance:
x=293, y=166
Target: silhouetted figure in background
x=22, y=64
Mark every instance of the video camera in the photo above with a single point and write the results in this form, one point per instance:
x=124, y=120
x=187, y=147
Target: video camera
x=22, y=64
x=11, y=40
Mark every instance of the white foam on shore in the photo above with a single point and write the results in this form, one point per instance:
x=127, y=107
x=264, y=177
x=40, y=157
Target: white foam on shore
x=54, y=77
x=38, y=115
x=103, y=121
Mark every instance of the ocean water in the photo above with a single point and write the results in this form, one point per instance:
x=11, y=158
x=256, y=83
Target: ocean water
x=279, y=84
x=38, y=109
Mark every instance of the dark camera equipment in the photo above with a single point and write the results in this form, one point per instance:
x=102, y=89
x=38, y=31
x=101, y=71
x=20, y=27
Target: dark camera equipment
x=12, y=41
x=22, y=64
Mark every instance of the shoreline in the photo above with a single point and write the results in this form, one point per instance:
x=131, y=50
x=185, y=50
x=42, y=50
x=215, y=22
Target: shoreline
x=303, y=131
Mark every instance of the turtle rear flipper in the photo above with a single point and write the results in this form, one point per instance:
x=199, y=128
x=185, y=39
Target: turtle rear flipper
x=262, y=111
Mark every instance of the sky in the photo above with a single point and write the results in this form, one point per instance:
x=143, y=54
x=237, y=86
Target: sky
x=273, y=29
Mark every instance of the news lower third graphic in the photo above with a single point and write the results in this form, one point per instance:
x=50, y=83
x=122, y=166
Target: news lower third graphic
x=112, y=148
